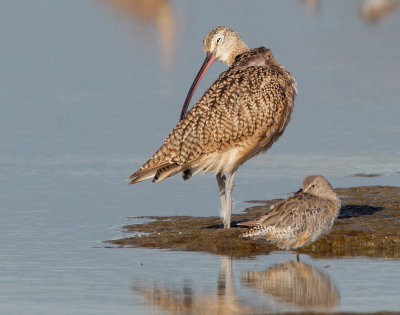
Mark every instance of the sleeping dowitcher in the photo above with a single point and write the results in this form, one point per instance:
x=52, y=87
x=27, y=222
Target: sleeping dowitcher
x=300, y=219
x=240, y=115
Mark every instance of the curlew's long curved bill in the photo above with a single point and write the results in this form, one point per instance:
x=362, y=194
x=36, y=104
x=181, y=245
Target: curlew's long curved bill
x=210, y=57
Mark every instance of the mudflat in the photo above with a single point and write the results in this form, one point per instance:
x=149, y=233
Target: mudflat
x=368, y=225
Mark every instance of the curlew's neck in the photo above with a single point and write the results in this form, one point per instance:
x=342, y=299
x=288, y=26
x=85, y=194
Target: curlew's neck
x=239, y=49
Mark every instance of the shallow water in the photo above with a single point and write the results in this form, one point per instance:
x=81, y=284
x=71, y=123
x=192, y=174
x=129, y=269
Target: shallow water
x=89, y=89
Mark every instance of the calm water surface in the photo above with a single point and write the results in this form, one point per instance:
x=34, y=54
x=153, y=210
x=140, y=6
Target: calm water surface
x=89, y=89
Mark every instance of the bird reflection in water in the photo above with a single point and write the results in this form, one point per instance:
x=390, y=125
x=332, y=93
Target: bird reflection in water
x=296, y=283
x=186, y=301
x=371, y=11
x=312, y=5
x=375, y=10
x=149, y=12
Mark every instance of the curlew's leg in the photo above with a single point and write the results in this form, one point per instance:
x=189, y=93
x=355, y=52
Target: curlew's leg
x=227, y=210
x=221, y=187
x=297, y=256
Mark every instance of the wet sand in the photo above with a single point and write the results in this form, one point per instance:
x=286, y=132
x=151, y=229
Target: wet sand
x=368, y=225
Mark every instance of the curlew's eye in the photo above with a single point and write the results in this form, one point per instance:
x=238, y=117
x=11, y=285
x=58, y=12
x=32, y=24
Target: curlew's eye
x=218, y=39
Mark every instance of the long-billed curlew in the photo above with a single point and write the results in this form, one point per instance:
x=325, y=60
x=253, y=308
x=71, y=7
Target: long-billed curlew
x=240, y=115
x=301, y=219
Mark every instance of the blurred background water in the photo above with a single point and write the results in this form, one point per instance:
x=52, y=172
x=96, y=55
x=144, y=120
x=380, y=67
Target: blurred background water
x=89, y=90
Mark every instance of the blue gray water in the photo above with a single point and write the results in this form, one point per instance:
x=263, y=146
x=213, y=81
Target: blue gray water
x=89, y=90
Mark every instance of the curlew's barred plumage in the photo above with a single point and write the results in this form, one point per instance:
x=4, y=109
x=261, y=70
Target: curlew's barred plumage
x=300, y=219
x=242, y=114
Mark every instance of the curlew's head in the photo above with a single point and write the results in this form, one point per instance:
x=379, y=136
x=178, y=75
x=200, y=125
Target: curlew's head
x=225, y=44
x=317, y=185
x=222, y=44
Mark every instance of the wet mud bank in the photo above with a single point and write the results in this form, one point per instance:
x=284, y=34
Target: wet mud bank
x=368, y=225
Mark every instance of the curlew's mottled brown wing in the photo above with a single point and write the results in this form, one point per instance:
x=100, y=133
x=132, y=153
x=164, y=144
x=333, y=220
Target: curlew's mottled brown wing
x=246, y=103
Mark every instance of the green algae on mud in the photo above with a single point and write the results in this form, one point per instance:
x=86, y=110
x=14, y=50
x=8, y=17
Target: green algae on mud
x=368, y=225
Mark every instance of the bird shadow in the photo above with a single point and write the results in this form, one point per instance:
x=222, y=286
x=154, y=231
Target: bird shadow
x=354, y=211
x=234, y=224
x=347, y=211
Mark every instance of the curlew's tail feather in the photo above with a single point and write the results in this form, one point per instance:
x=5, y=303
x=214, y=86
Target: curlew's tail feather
x=136, y=178
x=166, y=171
x=156, y=173
x=143, y=174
